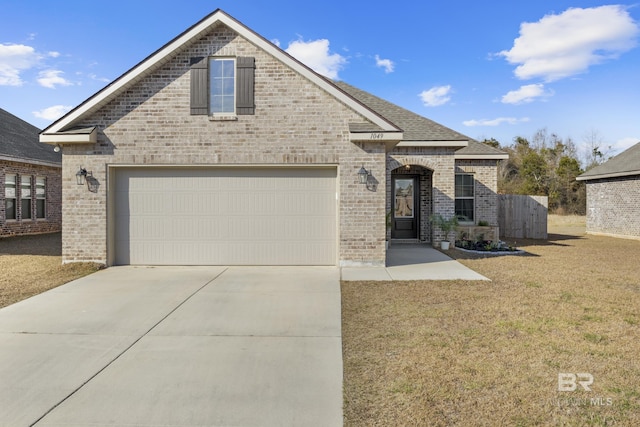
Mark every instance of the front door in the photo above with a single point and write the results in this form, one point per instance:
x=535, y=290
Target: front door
x=404, y=216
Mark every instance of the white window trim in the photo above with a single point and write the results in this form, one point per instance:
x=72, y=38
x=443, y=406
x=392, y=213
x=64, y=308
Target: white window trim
x=215, y=116
x=473, y=221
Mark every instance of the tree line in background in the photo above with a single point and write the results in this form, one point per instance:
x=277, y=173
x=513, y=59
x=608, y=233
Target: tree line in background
x=548, y=165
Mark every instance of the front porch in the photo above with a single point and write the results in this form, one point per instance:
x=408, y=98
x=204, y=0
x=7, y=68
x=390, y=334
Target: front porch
x=412, y=262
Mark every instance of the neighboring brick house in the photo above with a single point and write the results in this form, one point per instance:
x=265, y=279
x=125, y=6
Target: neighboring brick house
x=220, y=148
x=30, y=172
x=613, y=196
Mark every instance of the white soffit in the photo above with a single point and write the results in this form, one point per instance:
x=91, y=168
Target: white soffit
x=161, y=56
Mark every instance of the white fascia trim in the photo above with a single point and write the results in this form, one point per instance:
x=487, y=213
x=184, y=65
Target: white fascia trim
x=218, y=17
x=481, y=156
x=608, y=175
x=459, y=144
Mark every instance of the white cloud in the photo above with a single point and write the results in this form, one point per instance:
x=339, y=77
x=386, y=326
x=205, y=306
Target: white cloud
x=495, y=122
x=54, y=54
x=526, y=94
x=387, y=64
x=315, y=54
x=623, y=144
x=53, y=113
x=51, y=78
x=559, y=46
x=95, y=77
x=14, y=59
x=437, y=95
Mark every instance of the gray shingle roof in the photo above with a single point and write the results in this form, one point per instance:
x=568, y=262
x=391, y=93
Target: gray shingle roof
x=626, y=163
x=476, y=148
x=414, y=126
x=19, y=140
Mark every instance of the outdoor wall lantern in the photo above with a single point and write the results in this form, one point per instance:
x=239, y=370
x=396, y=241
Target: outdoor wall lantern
x=57, y=148
x=81, y=176
x=363, y=175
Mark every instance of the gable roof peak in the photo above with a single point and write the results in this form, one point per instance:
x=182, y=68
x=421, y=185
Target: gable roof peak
x=181, y=42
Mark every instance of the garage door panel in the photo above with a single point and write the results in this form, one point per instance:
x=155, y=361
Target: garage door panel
x=225, y=216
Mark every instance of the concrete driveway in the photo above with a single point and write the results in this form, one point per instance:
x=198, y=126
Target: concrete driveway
x=176, y=346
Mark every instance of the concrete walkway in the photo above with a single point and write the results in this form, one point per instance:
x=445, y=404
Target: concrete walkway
x=413, y=262
x=179, y=346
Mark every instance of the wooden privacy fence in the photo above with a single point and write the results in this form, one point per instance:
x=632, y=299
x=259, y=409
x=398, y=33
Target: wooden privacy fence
x=523, y=217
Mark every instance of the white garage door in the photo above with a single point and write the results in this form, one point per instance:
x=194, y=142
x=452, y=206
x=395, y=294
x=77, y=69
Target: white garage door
x=225, y=216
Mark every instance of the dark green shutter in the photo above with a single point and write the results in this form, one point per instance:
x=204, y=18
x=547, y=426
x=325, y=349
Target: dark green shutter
x=199, y=86
x=245, y=67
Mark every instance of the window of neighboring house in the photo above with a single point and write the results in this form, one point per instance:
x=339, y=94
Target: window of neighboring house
x=222, y=87
x=465, y=197
x=25, y=194
x=10, y=196
x=41, y=197
x=222, y=84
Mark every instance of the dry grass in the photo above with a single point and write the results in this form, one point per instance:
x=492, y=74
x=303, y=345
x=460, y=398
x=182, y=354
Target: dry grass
x=33, y=264
x=486, y=354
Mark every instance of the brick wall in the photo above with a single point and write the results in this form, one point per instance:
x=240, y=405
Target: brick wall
x=53, y=219
x=295, y=122
x=613, y=206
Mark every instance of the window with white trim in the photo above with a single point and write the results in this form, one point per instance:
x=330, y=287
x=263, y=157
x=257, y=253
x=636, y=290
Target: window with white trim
x=465, y=198
x=222, y=86
x=10, y=196
x=41, y=197
x=25, y=195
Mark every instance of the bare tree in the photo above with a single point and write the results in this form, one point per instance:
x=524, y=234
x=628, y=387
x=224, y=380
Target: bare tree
x=595, y=150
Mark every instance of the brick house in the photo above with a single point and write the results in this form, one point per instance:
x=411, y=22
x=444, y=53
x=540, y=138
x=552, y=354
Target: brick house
x=613, y=196
x=30, y=174
x=220, y=148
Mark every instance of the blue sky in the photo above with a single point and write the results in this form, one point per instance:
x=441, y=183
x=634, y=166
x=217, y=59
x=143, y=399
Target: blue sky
x=486, y=69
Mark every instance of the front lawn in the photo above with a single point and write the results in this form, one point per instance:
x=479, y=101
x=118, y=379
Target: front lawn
x=444, y=353
x=30, y=265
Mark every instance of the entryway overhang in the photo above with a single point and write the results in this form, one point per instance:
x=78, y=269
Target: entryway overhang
x=390, y=138
x=88, y=135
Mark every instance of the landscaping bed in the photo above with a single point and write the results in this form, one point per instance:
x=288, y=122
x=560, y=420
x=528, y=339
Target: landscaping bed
x=487, y=247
